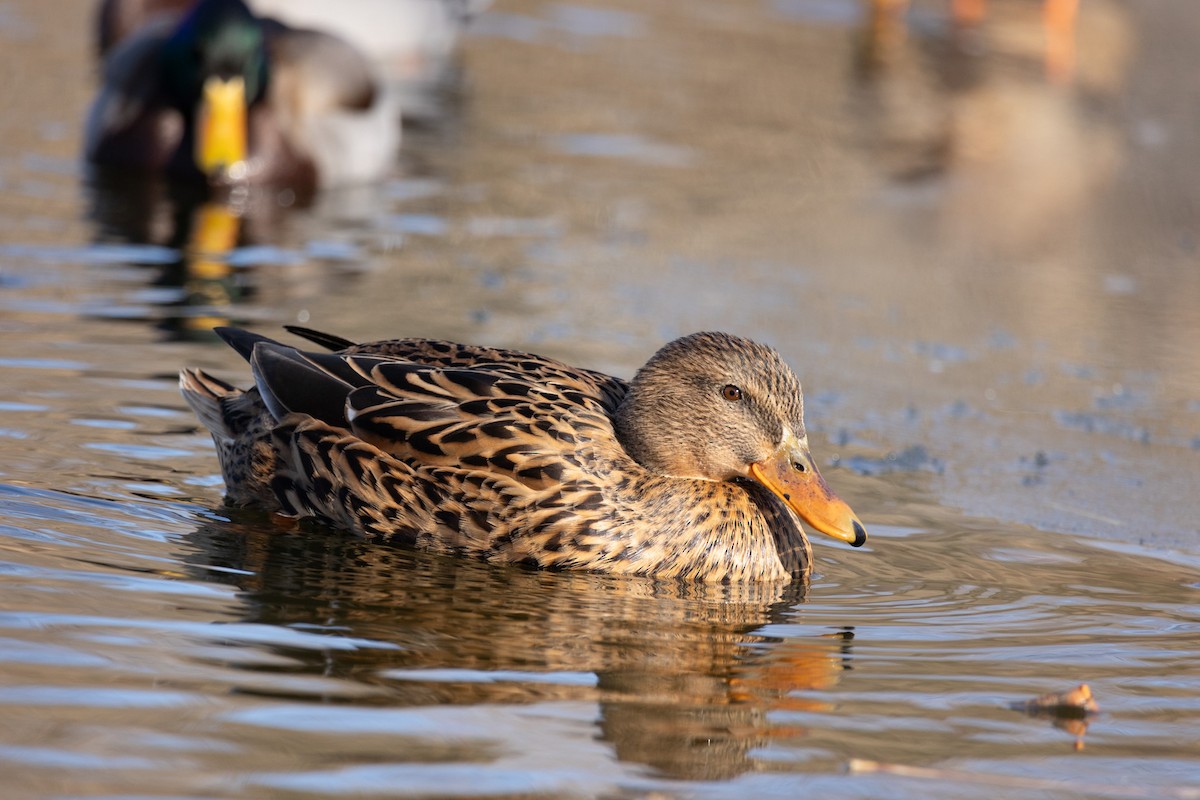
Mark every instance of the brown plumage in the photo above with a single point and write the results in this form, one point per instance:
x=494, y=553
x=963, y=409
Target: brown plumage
x=693, y=470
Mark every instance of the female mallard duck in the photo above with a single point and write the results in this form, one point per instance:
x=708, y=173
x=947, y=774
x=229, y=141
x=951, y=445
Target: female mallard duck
x=692, y=470
x=218, y=92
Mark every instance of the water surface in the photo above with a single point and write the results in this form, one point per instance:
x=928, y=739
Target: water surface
x=983, y=269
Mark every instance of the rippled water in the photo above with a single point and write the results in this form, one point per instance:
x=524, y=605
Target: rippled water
x=155, y=644
x=985, y=277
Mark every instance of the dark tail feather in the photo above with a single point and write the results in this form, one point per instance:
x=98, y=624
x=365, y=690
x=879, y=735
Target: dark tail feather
x=327, y=340
x=290, y=382
x=242, y=340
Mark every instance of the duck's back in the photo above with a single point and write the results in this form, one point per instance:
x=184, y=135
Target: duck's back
x=596, y=387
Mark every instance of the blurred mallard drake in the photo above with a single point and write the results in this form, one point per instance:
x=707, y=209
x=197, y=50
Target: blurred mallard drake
x=413, y=44
x=692, y=470
x=218, y=92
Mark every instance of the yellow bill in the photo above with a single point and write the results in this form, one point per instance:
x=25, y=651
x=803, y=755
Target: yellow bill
x=221, y=125
x=790, y=473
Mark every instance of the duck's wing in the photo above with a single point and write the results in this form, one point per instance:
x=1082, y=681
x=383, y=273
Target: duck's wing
x=480, y=420
x=476, y=418
x=446, y=458
x=513, y=363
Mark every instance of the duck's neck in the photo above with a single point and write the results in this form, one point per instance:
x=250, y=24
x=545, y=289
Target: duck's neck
x=642, y=428
x=711, y=531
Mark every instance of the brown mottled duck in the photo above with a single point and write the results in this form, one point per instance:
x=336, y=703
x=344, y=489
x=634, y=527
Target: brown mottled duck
x=695, y=469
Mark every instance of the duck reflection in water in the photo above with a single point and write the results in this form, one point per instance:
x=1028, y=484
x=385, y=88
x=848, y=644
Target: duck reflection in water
x=682, y=680
x=197, y=284
x=210, y=261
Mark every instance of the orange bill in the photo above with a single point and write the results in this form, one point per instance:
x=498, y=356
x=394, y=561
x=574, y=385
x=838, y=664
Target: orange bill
x=790, y=473
x=221, y=125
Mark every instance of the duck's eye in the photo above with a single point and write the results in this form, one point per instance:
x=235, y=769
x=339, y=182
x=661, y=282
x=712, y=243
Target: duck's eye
x=731, y=393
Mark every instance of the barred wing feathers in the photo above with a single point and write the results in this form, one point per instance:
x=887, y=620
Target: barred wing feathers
x=477, y=459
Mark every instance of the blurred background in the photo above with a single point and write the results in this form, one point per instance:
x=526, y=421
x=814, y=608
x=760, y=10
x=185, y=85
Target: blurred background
x=971, y=227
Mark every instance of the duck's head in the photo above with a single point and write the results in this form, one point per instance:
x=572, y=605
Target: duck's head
x=214, y=67
x=716, y=407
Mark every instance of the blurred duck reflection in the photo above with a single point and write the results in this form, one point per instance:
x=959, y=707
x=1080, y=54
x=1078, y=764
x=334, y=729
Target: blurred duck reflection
x=218, y=262
x=682, y=680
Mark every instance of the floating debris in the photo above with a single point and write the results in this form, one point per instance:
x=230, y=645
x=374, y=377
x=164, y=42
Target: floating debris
x=1068, y=710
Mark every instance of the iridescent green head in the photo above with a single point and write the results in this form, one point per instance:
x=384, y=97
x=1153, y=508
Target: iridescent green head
x=216, y=38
